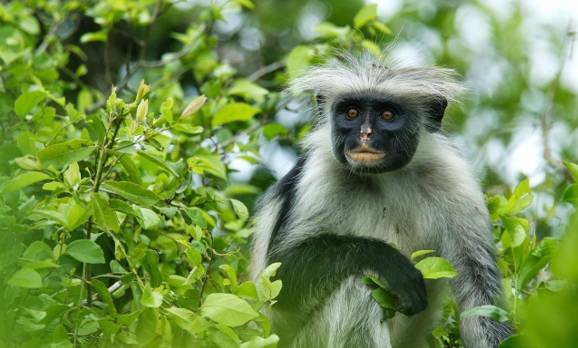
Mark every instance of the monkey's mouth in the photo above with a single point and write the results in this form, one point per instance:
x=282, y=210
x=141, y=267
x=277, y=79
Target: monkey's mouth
x=364, y=155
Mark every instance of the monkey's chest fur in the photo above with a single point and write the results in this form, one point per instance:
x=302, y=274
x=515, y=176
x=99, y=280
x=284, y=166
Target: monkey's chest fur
x=397, y=211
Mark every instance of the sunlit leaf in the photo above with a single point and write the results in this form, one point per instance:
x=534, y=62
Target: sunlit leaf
x=28, y=100
x=25, y=179
x=61, y=154
x=435, y=268
x=131, y=191
x=260, y=342
x=365, y=15
x=151, y=298
x=572, y=169
x=187, y=320
x=227, y=309
x=248, y=90
x=234, y=112
x=85, y=250
x=267, y=289
x=419, y=253
x=571, y=194
x=97, y=36
x=298, y=60
x=104, y=216
x=26, y=278
x=72, y=174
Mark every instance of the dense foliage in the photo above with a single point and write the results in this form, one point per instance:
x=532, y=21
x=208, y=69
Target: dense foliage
x=121, y=220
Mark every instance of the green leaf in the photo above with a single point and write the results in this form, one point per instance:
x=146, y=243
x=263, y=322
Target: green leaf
x=208, y=164
x=373, y=282
x=131, y=169
x=61, y=154
x=146, y=326
x=240, y=209
x=571, y=194
x=515, y=233
x=329, y=30
x=384, y=29
x=273, y=130
x=188, y=128
x=266, y=289
x=26, y=278
x=488, y=311
x=247, y=289
x=151, y=298
x=365, y=15
x=29, y=24
x=248, y=4
x=28, y=100
x=520, y=199
x=572, y=168
x=27, y=162
x=152, y=267
x=260, y=342
x=435, y=268
x=159, y=163
x=187, y=320
x=298, y=60
x=25, y=179
x=104, y=295
x=38, y=255
x=371, y=47
x=72, y=175
x=97, y=36
x=70, y=214
x=385, y=300
x=227, y=309
x=85, y=250
x=248, y=90
x=200, y=217
x=131, y=191
x=148, y=219
x=75, y=216
x=234, y=112
x=104, y=216
x=419, y=253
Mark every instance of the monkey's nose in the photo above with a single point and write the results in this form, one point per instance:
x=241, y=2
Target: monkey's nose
x=365, y=133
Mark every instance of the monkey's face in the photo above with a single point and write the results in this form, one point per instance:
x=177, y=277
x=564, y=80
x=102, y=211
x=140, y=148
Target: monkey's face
x=374, y=133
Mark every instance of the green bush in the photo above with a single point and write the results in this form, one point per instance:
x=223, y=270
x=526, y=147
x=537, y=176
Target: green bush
x=120, y=224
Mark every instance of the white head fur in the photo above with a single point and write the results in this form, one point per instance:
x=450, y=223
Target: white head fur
x=349, y=73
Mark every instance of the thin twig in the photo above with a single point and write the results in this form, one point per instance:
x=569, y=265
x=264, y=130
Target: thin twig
x=267, y=69
x=567, y=52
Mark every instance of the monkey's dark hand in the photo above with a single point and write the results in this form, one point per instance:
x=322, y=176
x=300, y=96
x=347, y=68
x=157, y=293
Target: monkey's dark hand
x=406, y=283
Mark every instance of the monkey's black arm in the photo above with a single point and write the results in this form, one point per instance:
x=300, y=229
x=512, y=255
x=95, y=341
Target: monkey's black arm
x=314, y=268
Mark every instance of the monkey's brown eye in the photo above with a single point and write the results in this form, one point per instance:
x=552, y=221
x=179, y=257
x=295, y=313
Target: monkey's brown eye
x=352, y=113
x=387, y=115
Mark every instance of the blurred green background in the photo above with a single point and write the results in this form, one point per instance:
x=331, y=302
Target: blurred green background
x=124, y=209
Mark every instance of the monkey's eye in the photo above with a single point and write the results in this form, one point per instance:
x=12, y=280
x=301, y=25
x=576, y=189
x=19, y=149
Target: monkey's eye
x=387, y=115
x=352, y=113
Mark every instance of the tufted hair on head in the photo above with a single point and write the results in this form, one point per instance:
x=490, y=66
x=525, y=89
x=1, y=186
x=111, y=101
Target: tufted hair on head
x=351, y=73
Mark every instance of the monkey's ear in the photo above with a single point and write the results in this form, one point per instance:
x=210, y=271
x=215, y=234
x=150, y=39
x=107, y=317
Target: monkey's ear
x=436, y=108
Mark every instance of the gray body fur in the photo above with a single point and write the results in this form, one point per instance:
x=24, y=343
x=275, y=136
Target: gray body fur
x=434, y=202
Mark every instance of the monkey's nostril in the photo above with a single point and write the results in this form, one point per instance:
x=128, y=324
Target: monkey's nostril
x=365, y=132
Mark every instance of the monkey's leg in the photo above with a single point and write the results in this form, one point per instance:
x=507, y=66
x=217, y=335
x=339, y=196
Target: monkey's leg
x=349, y=318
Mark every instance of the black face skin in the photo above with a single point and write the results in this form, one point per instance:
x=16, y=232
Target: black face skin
x=375, y=133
